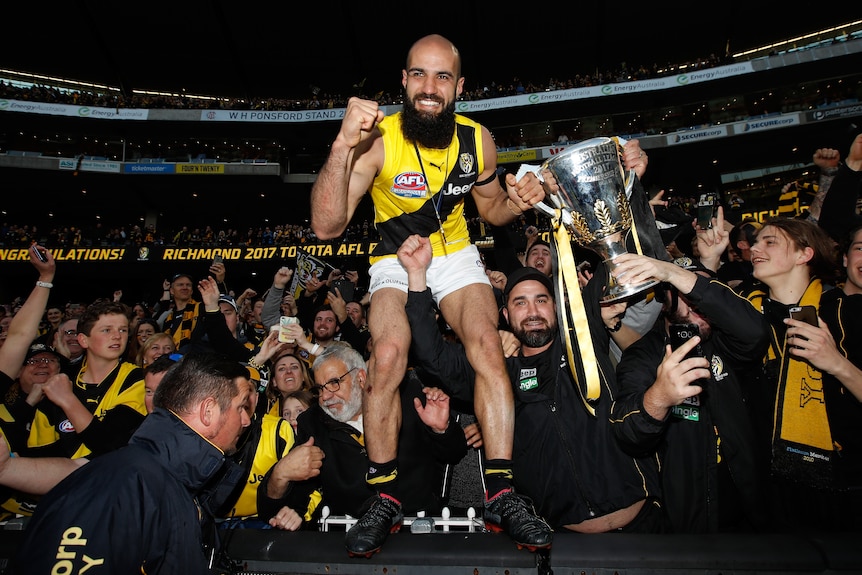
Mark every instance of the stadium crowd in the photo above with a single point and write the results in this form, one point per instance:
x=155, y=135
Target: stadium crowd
x=712, y=402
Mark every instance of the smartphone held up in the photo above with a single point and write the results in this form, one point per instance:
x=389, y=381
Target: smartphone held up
x=283, y=333
x=39, y=253
x=680, y=334
x=707, y=208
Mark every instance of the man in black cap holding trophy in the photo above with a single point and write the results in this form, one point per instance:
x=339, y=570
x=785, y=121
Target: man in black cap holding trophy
x=584, y=486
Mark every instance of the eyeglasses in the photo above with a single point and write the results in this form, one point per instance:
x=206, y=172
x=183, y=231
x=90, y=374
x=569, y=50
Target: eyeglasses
x=46, y=361
x=333, y=384
x=70, y=331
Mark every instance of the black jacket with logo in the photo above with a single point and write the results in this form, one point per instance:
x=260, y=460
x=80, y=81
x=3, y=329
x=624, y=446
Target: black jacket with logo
x=687, y=441
x=566, y=460
x=422, y=459
x=129, y=511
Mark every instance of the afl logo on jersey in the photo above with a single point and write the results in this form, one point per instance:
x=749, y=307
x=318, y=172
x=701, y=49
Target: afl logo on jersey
x=66, y=426
x=409, y=185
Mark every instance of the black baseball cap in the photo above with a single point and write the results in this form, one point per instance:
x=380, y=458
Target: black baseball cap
x=37, y=348
x=523, y=274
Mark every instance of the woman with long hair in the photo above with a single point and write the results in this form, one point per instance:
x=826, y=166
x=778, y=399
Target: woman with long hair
x=289, y=373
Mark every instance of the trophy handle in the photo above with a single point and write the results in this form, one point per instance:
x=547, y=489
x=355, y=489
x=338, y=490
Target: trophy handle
x=545, y=209
x=542, y=206
x=630, y=182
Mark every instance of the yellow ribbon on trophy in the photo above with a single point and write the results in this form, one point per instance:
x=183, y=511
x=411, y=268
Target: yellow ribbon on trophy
x=569, y=291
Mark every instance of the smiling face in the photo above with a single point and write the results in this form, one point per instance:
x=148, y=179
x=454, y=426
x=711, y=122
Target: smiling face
x=54, y=316
x=432, y=77
x=38, y=369
x=145, y=331
x=853, y=265
x=181, y=289
x=531, y=313
x=775, y=257
x=325, y=326
x=539, y=257
x=431, y=83
x=69, y=332
x=158, y=345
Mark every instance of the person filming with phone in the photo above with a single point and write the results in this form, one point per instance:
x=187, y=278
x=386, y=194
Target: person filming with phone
x=687, y=405
x=809, y=413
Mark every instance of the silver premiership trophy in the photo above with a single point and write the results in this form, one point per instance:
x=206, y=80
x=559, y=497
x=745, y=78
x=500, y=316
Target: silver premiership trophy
x=592, y=204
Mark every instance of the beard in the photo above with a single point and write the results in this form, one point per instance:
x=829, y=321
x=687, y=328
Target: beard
x=349, y=408
x=535, y=338
x=428, y=130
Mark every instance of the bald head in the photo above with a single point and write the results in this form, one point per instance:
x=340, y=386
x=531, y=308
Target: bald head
x=434, y=42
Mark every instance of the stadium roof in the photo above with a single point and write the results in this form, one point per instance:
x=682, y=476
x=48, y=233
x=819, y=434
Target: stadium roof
x=289, y=49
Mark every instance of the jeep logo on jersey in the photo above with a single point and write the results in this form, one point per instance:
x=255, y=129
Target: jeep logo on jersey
x=409, y=185
x=457, y=190
x=66, y=426
x=465, y=160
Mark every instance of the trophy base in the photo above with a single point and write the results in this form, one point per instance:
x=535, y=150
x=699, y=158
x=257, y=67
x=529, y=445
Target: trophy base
x=618, y=292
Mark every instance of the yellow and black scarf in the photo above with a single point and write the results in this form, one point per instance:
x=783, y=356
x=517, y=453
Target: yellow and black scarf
x=181, y=325
x=802, y=446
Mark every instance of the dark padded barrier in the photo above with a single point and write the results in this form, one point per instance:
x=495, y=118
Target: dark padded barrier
x=312, y=553
x=572, y=554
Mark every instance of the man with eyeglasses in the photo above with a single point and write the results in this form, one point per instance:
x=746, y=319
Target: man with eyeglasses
x=42, y=362
x=429, y=439
x=21, y=387
x=66, y=342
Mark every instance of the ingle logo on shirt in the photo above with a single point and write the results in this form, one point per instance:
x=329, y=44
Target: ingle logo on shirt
x=409, y=185
x=689, y=409
x=528, y=379
x=66, y=427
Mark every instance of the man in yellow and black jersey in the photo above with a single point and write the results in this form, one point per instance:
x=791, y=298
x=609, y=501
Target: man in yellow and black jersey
x=97, y=407
x=419, y=165
x=182, y=321
x=185, y=313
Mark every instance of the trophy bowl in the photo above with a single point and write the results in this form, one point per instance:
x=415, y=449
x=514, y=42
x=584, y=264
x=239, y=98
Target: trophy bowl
x=593, y=204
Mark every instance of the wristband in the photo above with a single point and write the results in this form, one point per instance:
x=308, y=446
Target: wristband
x=47, y=285
x=616, y=328
x=254, y=364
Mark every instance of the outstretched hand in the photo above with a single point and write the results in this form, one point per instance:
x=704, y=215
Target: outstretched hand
x=435, y=412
